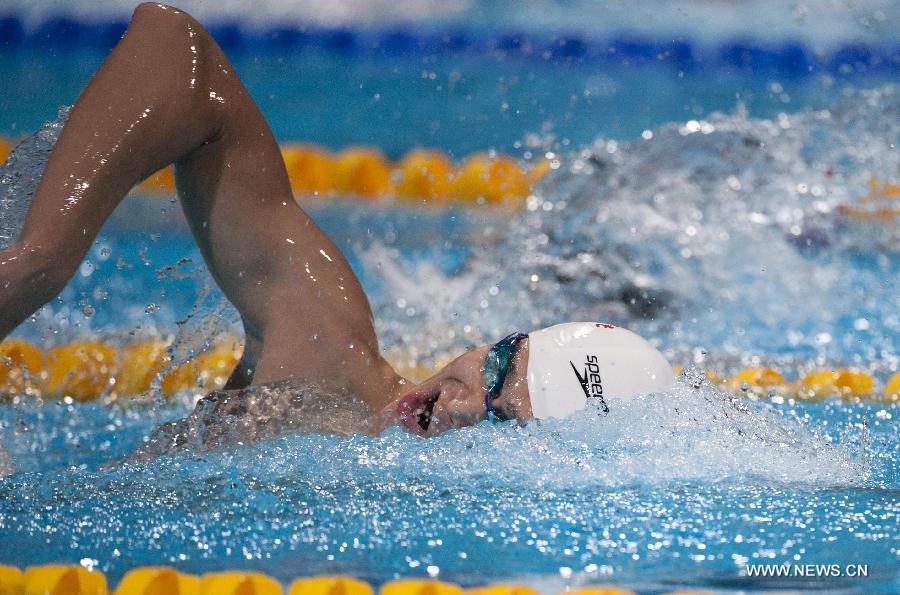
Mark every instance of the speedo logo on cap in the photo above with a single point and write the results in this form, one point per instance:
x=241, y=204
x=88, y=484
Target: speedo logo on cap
x=590, y=381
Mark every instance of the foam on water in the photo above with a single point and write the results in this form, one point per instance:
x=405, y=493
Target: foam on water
x=21, y=173
x=694, y=432
x=705, y=234
x=688, y=434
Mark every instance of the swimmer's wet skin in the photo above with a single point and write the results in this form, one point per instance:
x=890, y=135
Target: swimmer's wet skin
x=167, y=94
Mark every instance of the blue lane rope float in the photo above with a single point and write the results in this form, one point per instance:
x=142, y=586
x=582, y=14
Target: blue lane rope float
x=788, y=57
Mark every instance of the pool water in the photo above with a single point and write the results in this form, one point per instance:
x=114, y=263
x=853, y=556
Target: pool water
x=703, y=208
x=458, y=103
x=682, y=491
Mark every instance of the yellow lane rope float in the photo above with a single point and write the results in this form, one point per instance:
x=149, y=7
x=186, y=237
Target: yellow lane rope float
x=503, y=589
x=422, y=174
x=881, y=191
x=88, y=370
x=879, y=205
x=425, y=174
x=5, y=147
x=329, y=585
x=309, y=169
x=490, y=178
x=59, y=579
x=363, y=171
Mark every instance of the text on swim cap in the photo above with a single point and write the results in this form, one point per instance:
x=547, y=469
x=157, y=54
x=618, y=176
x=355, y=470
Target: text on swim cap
x=590, y=380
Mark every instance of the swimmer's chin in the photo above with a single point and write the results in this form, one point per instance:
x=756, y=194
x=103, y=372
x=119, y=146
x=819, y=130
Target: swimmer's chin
x=384, y=420
x=390, y=417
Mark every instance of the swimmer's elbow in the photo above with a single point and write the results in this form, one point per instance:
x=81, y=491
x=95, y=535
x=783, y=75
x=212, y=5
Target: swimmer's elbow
x=171, y=30
x=176, y=53
x=159, y=14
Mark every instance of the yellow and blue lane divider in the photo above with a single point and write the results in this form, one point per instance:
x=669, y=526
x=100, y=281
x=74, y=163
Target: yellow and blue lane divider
x=427, y=175
x=89, y=370
x=63, y=579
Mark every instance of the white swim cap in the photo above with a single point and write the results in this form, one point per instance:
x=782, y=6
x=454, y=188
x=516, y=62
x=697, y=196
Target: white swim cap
x=569, y=364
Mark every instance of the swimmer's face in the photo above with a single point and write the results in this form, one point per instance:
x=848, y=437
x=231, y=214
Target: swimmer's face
x=454, y=397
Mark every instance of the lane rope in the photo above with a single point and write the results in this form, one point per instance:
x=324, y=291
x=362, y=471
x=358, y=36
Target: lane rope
x=90, y=370
x=422, y=175
x=792, y=58
x=72, y=579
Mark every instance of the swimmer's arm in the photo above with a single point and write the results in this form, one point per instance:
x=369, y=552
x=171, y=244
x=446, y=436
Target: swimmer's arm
x=105, y=148
x=166, y=93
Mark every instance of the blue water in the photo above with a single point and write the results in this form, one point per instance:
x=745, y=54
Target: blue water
x=681, y=492
x=717, y=194
x=461, y=104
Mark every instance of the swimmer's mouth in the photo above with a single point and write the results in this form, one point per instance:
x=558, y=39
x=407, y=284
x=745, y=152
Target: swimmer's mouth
x=417, y=410
x=424, y=412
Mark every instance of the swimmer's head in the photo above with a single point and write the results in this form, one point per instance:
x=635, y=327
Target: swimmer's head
x=551, y=372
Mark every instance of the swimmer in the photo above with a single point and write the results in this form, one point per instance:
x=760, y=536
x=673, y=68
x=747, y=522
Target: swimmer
x=166, y=94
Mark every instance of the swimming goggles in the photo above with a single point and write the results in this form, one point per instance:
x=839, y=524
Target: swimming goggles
x=494, y=371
